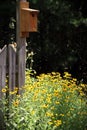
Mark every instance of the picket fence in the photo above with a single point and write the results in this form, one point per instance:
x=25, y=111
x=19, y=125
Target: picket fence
x=12, y=65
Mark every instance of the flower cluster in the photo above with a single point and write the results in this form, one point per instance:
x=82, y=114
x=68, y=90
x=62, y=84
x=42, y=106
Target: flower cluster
x=49, y=102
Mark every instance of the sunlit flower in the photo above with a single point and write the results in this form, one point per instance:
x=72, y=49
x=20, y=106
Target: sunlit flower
x=16, y=103
x=57, y=102
x=18, y=95
x=13, y=92
x=50, y=122
x=44, y=106
x=48, y=99
x=49, y=114
x=64, y=89
x=16, y=88
x=67, y=75
x=57, y=122
x=4, y=90
x=56, y=93
x=74, y=79
x=62, y=115
x=53, y=73
x=32, y=112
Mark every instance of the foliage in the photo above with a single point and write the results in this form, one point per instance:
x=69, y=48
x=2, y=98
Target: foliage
x=7, y=22
x=60, y=44
x=48, y=102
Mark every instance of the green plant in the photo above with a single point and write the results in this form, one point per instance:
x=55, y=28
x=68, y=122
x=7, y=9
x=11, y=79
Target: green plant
x=48, y=102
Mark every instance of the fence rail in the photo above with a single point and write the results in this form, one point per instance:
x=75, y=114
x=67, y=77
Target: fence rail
x=9, y=67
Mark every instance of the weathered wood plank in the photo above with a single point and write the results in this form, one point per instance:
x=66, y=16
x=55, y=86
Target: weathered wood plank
x=21, y=62
x=3, y=53
x=12, y=67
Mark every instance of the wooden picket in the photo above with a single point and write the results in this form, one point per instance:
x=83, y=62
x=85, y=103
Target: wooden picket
x=12, y=67
x=21, y=62
x=3, y=55
x=12, y=64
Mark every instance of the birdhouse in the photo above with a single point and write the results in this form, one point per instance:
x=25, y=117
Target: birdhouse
x=28, y=19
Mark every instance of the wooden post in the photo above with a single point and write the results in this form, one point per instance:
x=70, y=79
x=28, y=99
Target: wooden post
x=21, y=50
x=26, y=22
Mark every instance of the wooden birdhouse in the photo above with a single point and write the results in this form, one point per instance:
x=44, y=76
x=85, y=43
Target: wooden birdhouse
x=28, y=19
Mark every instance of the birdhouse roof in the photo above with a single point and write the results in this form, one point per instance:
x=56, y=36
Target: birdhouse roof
x=31, y=10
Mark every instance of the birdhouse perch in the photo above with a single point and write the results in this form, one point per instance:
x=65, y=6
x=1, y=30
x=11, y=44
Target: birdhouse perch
x=28, y=19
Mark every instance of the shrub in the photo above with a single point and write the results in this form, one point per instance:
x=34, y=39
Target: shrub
x=48, y=102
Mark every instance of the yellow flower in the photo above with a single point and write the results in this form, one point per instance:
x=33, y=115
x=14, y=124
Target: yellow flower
x=67, y=75
x=62, y=115
x=52, y=108
x=72, y=109
x=83, y=85
x=16, y=103
x=53, y=73
x=32, y=112
x=49, y=114
x=48, y=99
x=4, y=90
x=58, y=122
x=74, y=79
x=13, y=92
x=44, y=106
x=18, y=95
x=81, y=93
x=50, y=122
x=64, y=89
x=16, y=88
x=57, y=102
x=44, y=91
x=56, y=93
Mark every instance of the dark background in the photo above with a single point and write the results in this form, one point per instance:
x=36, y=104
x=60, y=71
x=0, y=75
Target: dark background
x=61, y=41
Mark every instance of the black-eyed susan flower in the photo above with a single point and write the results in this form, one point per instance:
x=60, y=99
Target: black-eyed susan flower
x=57, y=102
x=32, y=112
x=49, y=114
x=16, y=103
x=57, y=123
x=67, y=75
x=44, y=106
x=50, y=122
x=4, y=90
x=13, y=92
x=62, y=115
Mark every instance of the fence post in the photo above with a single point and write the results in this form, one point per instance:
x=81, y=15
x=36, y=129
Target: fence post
x=26, y=22
x=21, y=50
